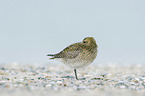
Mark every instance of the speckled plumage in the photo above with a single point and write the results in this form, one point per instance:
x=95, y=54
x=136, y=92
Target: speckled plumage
x=78, y=54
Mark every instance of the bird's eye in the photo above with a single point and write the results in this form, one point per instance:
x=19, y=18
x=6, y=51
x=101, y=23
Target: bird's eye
x=85, y=42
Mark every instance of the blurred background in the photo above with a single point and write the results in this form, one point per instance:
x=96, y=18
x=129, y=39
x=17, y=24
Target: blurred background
x=30, y=29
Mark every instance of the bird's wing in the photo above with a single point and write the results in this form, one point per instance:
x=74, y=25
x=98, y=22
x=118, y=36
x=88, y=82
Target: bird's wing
x=69, y=52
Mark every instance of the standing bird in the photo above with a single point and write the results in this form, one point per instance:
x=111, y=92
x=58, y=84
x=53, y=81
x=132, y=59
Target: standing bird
x=79, y=54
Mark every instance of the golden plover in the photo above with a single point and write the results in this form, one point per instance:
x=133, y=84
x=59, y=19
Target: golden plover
x=79, y=54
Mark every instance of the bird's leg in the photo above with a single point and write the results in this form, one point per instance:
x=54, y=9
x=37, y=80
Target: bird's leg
x=76, y=74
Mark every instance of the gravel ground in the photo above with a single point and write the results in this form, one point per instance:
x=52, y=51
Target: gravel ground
x=58, y=80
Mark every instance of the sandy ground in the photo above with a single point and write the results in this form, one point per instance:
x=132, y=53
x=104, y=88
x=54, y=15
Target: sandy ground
x=59, y=80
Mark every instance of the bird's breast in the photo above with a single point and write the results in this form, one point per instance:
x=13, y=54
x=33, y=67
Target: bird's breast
x=83, y=59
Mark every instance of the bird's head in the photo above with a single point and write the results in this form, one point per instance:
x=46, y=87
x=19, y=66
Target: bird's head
x=89, y=41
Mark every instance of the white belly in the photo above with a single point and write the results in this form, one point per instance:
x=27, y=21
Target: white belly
x=75, y=63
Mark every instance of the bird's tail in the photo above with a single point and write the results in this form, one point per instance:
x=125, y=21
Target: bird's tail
x=52, y=55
